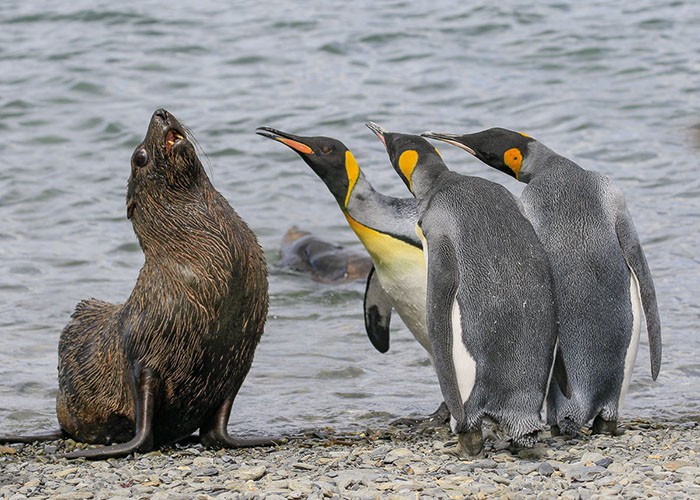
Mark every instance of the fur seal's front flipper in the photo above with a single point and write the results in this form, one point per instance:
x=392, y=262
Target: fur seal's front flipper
x=634, y=256
x=143, y=440
x=377, y=307
x=215, y=433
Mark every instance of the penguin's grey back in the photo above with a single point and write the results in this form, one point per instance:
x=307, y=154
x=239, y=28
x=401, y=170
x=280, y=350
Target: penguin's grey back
x=574, y=213
x=504, y=290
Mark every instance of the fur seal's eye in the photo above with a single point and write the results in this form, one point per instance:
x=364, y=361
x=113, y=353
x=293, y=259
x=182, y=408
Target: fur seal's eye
x=140, y=158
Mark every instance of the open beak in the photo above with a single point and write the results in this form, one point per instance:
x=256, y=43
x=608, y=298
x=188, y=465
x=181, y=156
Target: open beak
x=450, y=139
x=378, y=131
x=290, y=140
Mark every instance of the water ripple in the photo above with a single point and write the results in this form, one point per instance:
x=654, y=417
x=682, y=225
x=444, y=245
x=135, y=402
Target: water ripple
x=610, y=86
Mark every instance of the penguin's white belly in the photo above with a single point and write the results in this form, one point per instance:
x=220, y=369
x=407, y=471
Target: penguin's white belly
x=631, y=355
x=405, y=283
x=464, y=363
x=400, y=268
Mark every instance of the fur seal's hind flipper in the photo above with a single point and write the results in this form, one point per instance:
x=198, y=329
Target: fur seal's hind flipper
x=377, y=306
x=215, y=433
x=143, y=440
x=560, y=374
x=634, y=255
x=34, y=438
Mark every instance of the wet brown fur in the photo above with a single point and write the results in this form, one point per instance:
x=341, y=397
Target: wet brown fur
x=194, y=318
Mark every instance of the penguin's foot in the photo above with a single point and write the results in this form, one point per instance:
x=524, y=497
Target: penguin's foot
x=439, y=418
x=565, y=427
x=469, y=444
x=601, y=426
x=528, y=440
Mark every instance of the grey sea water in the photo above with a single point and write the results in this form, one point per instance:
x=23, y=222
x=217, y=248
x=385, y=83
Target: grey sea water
x=612, y=86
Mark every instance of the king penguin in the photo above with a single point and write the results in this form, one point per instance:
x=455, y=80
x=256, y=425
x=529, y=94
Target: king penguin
x=602, y=280
x=386, y=227
x=490, y=301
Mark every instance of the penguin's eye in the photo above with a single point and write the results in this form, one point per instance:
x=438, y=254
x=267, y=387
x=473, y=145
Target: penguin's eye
x=140, y=158
x=326, y=149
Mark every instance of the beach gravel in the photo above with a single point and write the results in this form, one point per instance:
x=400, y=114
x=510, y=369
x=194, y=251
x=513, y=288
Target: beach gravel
x=651, y=460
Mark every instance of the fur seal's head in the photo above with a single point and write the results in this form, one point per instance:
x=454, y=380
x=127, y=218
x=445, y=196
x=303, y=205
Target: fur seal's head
x=164, y=166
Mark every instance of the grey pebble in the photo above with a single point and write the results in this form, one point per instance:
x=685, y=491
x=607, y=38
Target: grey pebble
x=545, y=469
x=583, y=473
x=251, y=473
x=526, y=468
x=211, y=471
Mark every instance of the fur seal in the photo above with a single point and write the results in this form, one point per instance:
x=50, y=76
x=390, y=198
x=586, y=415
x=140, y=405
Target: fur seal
x=171, y=359
x=324, y=261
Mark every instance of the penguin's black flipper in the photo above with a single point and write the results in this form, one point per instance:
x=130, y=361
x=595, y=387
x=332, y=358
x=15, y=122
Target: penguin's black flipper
x=560, y=374
x=637, y=262
x=377, y=313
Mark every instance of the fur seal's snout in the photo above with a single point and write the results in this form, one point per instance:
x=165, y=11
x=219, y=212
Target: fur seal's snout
x=172, y=130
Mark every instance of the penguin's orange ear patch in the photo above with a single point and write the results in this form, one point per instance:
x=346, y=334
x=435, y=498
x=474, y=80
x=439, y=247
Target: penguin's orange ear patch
x=513, y=159
x=296, y=145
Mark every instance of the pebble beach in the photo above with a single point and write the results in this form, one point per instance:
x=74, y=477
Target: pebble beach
x=612, y=86
x=650, y=460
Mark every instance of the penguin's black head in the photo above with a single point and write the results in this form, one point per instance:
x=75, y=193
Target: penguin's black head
x=329, y=158
x=499, y=148
x=406, y=152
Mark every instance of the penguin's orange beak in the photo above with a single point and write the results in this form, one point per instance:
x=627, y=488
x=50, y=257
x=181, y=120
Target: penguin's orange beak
x=284, y=138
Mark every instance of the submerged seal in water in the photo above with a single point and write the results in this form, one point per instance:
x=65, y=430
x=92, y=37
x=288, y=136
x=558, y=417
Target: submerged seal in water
x=324, y=261
x=171, y=359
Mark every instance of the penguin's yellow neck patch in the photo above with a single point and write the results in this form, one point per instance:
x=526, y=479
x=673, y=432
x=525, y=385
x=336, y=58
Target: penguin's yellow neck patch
x=388, y=253
x=525, y=135
x=407, y=163
x=513, y=159
x=353, y=171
